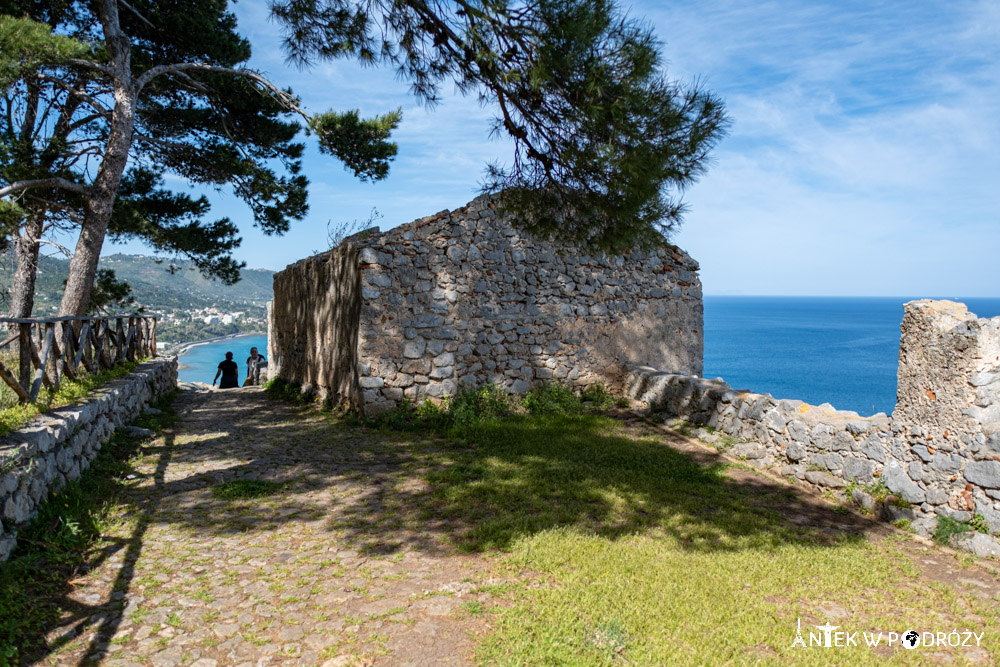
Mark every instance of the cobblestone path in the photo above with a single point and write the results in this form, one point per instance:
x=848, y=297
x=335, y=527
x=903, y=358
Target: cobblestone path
x=330, y=570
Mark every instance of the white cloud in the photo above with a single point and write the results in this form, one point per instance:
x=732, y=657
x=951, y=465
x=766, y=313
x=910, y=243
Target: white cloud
x=862, y=158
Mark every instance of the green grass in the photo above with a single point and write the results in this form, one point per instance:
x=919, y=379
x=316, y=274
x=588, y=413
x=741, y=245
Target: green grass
x=617, y=549
x=247, y=489
x=625, y=551
x=65, y=534
x=947, y=527
x=13, y=415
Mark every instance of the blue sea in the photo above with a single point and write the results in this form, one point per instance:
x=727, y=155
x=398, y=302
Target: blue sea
x=200, y=363
x=839, y=350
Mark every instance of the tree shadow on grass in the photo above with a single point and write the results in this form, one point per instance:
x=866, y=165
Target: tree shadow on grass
x=497, y=482
x=482, y=488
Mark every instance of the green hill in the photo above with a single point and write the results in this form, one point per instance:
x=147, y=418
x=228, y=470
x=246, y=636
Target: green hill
x=183, y=298
x=153, y=286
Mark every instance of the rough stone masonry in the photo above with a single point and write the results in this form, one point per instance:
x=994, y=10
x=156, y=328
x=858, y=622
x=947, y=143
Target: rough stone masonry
x=939, y=451
x=55, y=448
x=462, y=298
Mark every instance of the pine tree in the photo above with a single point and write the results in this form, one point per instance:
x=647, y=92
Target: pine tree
x=604, y=142
x=163, y=87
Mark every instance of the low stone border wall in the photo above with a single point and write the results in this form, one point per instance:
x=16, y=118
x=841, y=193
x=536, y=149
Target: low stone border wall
x=844, y=444
x=57, y=446
x=938, y=454
x=830, y=449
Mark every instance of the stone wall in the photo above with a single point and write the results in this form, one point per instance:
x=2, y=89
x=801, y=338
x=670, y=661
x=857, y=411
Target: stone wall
x=939, y=451
x=461, y=298
x=312, y=328
x=56, y=447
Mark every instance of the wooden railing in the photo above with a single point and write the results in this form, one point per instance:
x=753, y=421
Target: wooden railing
x=49, y=349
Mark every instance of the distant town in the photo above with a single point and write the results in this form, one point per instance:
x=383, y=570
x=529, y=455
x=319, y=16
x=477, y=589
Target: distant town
x=190, y=306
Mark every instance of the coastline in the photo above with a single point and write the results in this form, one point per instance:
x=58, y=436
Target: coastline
x=185, y=347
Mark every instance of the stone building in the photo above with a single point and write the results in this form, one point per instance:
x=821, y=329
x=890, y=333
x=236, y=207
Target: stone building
x=462, y=298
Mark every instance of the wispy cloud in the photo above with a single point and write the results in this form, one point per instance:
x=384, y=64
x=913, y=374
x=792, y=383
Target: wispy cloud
x=863, y=157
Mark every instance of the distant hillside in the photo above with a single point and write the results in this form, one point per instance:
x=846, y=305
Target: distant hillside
x=152, y=285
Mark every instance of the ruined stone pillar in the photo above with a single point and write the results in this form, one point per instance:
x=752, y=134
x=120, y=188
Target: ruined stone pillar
x=947, y=418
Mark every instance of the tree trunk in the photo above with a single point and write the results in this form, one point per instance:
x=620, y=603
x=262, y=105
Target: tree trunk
x=99, y=202
x=26, y=246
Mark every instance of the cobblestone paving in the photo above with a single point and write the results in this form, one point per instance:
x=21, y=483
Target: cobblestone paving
x=329, y=571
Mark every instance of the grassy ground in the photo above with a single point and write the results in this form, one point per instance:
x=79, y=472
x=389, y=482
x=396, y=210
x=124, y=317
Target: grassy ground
x=63, y=542
x=639, y=553
x=632, y=552
x=13, y=416
x=610, y=542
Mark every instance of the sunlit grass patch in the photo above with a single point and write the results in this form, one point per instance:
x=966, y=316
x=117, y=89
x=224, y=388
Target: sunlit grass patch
x=13, y=416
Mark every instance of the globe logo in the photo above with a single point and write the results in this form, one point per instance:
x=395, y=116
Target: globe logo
x=911, y=639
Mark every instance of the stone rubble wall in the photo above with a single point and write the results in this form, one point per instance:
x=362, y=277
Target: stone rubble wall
x=462, y=298
x=313, y=322
x=939, y=451
x=55, y=448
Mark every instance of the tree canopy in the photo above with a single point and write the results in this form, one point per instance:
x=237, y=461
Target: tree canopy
x=161, y=87
x=604, y=142
x=107, y=96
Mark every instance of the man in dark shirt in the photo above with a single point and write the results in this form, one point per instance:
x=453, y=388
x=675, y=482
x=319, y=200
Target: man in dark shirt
x=230, y=372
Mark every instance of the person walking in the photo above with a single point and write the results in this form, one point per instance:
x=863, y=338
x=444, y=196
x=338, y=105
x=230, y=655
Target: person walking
x=230, y=373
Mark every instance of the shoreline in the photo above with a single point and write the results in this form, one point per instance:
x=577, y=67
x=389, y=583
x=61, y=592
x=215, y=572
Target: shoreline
x=185, y=347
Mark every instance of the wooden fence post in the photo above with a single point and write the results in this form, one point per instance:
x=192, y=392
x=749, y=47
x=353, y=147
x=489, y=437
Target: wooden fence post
x=24, y=355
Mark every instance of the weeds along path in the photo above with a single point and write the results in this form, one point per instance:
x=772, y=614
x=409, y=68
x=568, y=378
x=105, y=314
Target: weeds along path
x=261, y=532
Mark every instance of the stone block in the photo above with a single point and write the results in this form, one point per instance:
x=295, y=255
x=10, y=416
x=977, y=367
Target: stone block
x=842, y=442
x=935, y=496
x=858, y=427
x=863, y=500
x=858, y=470
x=980, y=544
x=892, y=514
x=415, y=348
x=983, y=473
x=795, y=451
x=774, y=421
x=825, y=479
x=797, y=430
x=445, y=359
x=897, y=481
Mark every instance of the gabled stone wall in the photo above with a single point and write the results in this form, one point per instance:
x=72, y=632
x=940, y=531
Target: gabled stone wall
x=462, y=298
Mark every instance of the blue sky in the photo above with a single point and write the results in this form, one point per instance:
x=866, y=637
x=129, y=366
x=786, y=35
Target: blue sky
x=864, y=157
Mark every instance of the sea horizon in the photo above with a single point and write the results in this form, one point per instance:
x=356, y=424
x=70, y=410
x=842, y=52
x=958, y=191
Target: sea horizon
x=841, y=350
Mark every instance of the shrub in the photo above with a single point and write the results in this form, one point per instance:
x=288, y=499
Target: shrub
x=978, y=524
x=601, y=398
x=488, y=403
x=948, y=527
x=552, y=398
x=285, y=390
